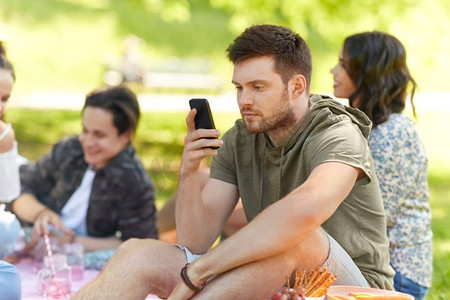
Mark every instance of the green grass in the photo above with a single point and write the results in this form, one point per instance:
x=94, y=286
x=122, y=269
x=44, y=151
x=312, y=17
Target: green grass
x=159, y=143
x=439, y=195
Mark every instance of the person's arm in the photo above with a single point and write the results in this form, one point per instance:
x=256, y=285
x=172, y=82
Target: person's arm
x=7, y=137
x=94, y=243
x=270, y=233
x=198, y=222
x=9, y=168
x=38, y=180
x=165, y=219
x=166, y=215
x=29, y=209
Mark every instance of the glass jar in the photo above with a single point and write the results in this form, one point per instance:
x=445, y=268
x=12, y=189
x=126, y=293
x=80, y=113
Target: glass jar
x=55, y=281
x=75, y=259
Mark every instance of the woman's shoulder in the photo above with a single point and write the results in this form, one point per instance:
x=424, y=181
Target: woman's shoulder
x=398, y=126
x=398, y=133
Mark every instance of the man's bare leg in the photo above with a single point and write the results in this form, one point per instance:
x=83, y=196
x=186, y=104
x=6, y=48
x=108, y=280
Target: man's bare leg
x=262, y=279
x=139, y=267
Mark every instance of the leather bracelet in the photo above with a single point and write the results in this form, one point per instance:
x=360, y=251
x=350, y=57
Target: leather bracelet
x=188, y=282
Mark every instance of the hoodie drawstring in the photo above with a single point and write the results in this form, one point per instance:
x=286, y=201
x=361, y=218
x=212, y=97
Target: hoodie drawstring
x=281, y=173
x=261, y=178
x=261, y=183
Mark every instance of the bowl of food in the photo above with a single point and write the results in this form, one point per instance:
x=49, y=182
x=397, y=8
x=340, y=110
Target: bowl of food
x=343, y=292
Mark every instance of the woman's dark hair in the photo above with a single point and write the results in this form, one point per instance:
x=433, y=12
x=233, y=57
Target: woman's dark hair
x=376, y=63
x=121, y=102
x=5, y=64
x=291, y=53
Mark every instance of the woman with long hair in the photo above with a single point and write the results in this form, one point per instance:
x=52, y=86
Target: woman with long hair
x=372, y=73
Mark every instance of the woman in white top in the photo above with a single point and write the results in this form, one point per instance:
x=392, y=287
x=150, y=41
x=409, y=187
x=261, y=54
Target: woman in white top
x=9, y=185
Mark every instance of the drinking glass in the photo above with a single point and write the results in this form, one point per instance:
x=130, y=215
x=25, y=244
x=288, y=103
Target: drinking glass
x=75, y=259
x=54, y=280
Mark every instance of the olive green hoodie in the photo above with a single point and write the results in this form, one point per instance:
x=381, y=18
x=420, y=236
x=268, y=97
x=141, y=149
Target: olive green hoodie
x=329, y=131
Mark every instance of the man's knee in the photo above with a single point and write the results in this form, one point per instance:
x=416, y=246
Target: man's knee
x=313, y=250
x=137, y=248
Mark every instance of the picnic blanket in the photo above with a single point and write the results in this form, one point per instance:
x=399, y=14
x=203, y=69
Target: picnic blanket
x=29, y=280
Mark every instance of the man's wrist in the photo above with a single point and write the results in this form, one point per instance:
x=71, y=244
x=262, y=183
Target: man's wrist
x=196, y=287
x=39, y=213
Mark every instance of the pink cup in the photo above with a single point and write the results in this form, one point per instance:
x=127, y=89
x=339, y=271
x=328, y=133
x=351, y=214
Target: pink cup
x=55, y=283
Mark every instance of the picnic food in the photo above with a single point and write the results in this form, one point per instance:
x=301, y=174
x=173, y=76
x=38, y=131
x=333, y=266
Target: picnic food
x=342, y=292
x=312, y=283
x=366, y=296
x=287, y=293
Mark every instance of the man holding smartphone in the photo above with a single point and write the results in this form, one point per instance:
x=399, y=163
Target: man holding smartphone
x=302, y=167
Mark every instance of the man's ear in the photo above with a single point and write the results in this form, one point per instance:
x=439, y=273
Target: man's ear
x=297, y=85
x=128, y=134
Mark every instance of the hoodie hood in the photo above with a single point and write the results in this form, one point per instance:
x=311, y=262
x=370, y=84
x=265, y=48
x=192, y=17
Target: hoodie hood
x=321, y=106
x=318, y=102
x=266, y=173
x=323, y=113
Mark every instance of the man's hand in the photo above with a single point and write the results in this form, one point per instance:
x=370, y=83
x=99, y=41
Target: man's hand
x=197, y=144
x=181, y=292
x=48, y=217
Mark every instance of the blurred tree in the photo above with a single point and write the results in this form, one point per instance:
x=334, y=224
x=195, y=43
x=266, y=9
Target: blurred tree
x=60, y=43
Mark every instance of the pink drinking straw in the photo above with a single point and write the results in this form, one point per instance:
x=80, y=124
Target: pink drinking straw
x=50, y=254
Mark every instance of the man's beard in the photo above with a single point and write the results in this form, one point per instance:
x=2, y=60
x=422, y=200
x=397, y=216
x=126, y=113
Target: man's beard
x=282, y=118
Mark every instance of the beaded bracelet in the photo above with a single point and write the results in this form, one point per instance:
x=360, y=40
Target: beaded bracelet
x=188, y=282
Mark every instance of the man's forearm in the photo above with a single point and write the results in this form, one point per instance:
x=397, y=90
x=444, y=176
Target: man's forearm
x=284, y=224
x=266, y=236
x=194, y=228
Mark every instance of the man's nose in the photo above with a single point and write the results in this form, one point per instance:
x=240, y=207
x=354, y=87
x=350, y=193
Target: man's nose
x=245, y=98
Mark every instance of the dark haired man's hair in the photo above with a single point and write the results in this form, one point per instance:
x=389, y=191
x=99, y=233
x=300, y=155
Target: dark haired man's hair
x=376, y=63
x=290, y=52
x=121, y=102
x=5, y=64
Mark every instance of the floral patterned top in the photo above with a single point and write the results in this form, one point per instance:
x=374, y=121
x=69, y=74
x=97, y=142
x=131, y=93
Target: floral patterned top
x=401, y=167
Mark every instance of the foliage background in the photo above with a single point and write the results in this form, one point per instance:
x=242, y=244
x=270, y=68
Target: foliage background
x=61, y=45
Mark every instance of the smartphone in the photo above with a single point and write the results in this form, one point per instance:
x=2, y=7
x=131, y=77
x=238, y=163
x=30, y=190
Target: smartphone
x=203, y=118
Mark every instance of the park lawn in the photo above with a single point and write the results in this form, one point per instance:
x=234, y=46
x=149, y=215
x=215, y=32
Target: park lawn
x=159, y=143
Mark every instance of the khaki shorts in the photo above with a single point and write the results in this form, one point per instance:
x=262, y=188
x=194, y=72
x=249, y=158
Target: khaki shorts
x=190, y=257
x=342, y=265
